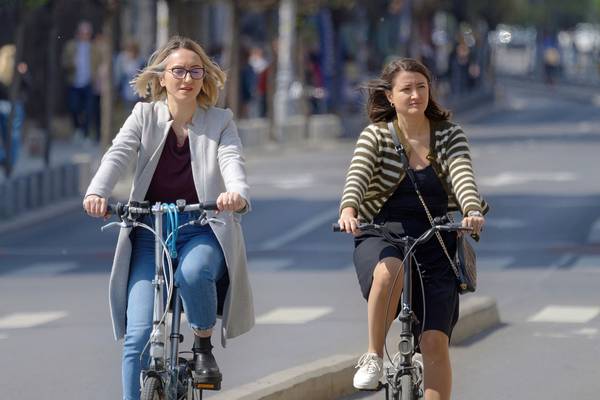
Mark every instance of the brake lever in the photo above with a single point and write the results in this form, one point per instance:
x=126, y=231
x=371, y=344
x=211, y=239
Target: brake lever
x=205, y=220
x=121, y=224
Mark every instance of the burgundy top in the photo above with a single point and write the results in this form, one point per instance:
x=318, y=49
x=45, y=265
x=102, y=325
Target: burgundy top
x=173, y=179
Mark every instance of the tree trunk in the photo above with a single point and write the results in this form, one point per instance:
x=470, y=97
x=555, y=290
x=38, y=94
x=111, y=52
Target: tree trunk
x=232, y=61
x=107, y=88
x=51, y=89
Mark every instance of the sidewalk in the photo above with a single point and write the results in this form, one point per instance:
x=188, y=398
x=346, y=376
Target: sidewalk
x=586, y=93
x=61, y=152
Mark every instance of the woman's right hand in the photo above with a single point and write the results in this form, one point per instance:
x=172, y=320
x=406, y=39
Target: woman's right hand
x=348, y=221
x=95, y=206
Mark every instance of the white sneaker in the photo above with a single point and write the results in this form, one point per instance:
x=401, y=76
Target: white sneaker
x=370, y=371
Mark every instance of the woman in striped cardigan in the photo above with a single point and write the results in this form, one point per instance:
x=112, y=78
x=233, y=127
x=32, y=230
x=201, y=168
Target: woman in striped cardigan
x=376, y=191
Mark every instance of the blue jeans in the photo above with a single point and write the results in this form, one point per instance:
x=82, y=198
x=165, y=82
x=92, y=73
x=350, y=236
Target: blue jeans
x=199, y=265
x=17, y=123
x=81, y=107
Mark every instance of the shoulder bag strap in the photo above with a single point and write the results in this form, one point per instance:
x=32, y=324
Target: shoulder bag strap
x=411, y=175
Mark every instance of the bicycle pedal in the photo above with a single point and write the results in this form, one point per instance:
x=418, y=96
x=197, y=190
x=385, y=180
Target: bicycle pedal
x=208, y=385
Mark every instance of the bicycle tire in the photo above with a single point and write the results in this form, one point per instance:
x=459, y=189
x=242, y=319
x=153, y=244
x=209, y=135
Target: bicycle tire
x=152, y=389
x=407, y=390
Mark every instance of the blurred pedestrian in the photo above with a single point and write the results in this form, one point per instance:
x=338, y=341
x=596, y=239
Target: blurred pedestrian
x=378, y=191
x=80, y=60
x=315, y=82
x=128, y=64
x=551, y=57
x=459, y=68
x=183, y=148
x=248, y=82
x=259, y=64
x=15, y=105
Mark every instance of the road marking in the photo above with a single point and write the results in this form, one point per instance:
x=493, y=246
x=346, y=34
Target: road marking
x=551, y=335
x=566, y=314
x=302, y=229
x=293, y=315
x=504, y=223
x=44, y=268
x=594, y=236
x=587, y=263
x=29, y=320
x=521, y=178
x=296, y=182
x=270, y=264
x=491, y=262
x=586, y=333
x=287, y=182
x=589, y=332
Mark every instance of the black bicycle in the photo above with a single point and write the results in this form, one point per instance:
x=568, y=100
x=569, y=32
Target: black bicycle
x=170, y=376
x=404, y=377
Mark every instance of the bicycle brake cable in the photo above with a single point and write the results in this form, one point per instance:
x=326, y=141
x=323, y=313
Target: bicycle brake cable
x=389, y=299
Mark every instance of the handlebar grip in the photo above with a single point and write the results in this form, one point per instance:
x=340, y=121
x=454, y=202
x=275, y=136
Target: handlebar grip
x=453, y=227
x=114, y=209
x=210, y=205
x=336, y=227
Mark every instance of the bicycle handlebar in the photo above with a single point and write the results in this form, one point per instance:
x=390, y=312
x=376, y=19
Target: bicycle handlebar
x=135, y=208
x=447, y=227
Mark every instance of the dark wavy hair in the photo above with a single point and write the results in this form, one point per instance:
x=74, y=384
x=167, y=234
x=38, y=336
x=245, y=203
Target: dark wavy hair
x=378, y=106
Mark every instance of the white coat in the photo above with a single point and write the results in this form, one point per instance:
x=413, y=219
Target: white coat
x=217, y=166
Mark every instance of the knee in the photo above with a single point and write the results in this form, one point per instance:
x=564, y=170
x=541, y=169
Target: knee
x=198, y=269
x=386, y=271
x=434, y=345
x=136, y=338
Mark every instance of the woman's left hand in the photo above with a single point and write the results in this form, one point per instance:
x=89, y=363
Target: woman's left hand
x=475, y=222
x=230, y=201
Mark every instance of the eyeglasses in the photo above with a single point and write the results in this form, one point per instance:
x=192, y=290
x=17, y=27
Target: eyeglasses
x=180, y=73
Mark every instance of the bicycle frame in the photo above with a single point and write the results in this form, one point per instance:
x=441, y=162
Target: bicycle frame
x=406, y=317
x=165, y=363
x=406, y=346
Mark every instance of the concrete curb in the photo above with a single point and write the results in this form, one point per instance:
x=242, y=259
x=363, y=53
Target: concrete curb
x=331, y=378
x=38, y=216
x=327, y=378
x=477, y=314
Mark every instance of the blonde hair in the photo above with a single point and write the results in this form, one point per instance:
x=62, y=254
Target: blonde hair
x=147, y=81
x=7, y=63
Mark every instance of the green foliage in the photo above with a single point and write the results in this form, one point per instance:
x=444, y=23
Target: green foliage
x=25, y=4
x=30, y=4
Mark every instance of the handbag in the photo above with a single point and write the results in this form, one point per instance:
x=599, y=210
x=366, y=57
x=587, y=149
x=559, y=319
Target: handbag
x=464, y=263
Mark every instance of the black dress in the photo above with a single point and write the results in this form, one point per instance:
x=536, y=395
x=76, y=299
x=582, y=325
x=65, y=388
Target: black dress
x=405, y=214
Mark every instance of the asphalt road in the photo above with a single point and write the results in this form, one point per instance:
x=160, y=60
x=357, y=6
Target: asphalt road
x=536, y=162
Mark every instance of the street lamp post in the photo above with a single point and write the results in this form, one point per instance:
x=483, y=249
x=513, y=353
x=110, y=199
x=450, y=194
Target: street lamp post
x=287, y=30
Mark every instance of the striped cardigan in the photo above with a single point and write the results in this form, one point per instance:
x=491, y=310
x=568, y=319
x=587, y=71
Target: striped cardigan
x=376, y=171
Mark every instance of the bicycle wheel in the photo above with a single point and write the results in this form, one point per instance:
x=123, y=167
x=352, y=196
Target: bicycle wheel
x=152, y=389
x=407, y=391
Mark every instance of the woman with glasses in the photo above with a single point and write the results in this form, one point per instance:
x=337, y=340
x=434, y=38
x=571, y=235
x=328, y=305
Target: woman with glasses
x=184, y=148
